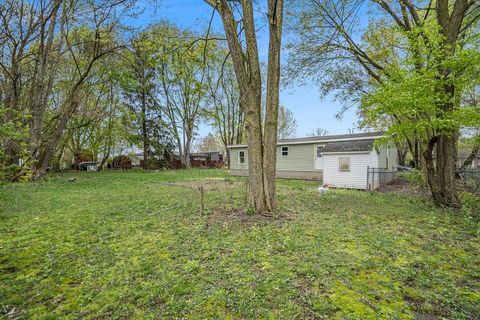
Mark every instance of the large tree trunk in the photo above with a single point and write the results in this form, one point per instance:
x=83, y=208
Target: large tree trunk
x=446, y=158
x=275, y=15
x=43, y=80
x=440, y=172
x=471, y=157
x=253, y=126
x=441, y=178
x=261, y=141
x=49, y=150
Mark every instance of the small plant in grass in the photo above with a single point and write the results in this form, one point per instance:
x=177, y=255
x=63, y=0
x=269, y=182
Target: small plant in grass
x=298, y=187
x=471, y=204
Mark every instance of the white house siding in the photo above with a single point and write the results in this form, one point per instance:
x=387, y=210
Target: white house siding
x=382, y=157
x=378, y=160
x=356, y=178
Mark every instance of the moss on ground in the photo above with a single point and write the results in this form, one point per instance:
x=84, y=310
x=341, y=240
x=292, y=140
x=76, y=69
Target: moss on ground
x=134, y=245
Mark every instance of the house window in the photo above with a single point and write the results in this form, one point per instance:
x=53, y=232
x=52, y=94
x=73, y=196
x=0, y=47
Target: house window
x=284, y=151
x=344, y=164
x=319, y=151
x=241, y=157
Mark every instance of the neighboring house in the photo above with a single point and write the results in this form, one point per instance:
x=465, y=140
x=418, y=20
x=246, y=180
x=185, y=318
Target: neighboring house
x=339, y=160
x=136, y=159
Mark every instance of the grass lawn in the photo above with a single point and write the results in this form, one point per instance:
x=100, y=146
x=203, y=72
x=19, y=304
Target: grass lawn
x=134, y=245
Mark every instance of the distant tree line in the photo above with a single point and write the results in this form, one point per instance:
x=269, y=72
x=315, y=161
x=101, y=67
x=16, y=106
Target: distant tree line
x=72, y=88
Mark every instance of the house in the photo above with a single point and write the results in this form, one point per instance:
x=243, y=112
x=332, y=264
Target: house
x=341, y=161
x=136, y=158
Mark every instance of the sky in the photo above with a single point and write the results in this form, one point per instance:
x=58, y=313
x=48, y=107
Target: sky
x=303, y=100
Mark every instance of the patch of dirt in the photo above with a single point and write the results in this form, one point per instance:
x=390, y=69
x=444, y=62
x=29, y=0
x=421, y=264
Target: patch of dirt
x=222, y=216
x=401, y=186
x=208, y=184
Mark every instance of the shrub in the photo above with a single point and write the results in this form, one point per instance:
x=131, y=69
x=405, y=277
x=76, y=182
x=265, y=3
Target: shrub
x=471, y=203
x=415, y=177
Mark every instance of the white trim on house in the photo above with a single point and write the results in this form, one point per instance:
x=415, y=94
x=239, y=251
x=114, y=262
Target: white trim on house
x=318, y=162
x=238, y=159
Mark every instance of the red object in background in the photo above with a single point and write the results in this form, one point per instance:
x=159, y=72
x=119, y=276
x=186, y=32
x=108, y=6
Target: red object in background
x=200, y=160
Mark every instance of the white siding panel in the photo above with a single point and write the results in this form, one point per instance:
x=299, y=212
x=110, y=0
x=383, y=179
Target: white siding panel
x=356, y=178
x=382, y=157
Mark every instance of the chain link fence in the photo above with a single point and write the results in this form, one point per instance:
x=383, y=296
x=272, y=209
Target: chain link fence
x=377, y=177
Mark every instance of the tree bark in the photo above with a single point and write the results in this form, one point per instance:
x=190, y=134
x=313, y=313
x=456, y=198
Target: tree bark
x=275, y=17
x=47, y=153
x=441, y=177
x=471, y=157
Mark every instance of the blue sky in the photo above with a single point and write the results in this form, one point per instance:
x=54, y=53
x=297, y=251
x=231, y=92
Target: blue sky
x=303, y=100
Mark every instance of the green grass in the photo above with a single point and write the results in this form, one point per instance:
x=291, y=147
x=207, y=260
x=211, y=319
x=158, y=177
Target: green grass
x=134, y=245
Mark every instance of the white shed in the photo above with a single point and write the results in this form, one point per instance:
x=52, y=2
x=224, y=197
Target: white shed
x=346, y=163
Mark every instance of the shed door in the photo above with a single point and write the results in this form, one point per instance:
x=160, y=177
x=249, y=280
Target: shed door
x=319, y=157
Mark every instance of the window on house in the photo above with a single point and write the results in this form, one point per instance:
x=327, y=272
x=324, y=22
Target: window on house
x=241, y=157
x=319, y=151
x=284, y=151
x=344, y=164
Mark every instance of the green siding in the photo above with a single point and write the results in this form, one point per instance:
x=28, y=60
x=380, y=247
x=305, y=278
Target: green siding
x=301, y=157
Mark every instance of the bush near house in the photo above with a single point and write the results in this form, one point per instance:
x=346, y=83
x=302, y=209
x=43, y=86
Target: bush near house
x=132, y=244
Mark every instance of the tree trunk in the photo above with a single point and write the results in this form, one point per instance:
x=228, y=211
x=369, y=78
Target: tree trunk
x=47, y=153
x=144, y=135
x=416, y=154
x=261, y=142
x=471, y=157
x=186, y=152
x=441, y=178
x=275, y=14
x=256, y=190
x=440, y=173
x=58, y=159
x=445, y=164
x=401, y=154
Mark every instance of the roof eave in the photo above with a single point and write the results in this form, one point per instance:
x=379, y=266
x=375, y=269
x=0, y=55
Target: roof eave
x=314, y=141
x=343, y=152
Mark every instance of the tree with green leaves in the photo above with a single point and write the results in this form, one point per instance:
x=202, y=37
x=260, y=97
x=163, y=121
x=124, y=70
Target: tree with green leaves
x=140, y=87
x=224, y=111
x=409, y=70
x=51, y=54
x=182, y=76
